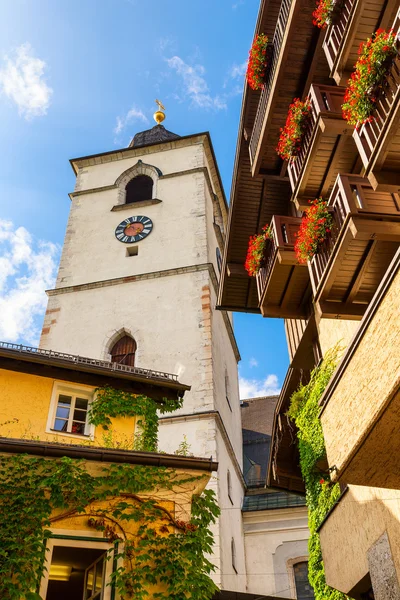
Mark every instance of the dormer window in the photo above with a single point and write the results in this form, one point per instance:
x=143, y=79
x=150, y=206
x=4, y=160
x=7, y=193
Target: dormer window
x=139, y=188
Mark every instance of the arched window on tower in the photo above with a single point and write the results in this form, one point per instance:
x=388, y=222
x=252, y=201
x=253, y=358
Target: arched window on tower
x=304, y=591
x=139, y=188
x=123, y=351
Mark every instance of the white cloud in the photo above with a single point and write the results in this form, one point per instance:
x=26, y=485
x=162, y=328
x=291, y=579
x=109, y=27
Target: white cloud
x=238, y=71
x=27, y=269
x=253, y=362
x=22, y=81
x=166, y=43
x=195, y=85
x=134, y=114
x=237, y=4
x=254, y=388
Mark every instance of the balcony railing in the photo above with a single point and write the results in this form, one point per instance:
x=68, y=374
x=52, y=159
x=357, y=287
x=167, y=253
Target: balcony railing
x=350, y=264
x=302, y=341
x=266, y=92
x=282, y=281
x=378, y=141
x=353, y=21
x=336, y=32
x=74, y=359
x=325, y=125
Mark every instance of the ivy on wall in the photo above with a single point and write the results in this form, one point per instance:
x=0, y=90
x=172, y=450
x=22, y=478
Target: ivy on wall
x=125, y=502
x=110, y=403
x=321, y=495
x=37, y=492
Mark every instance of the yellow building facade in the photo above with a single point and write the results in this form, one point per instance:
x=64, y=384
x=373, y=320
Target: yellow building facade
x=99, y=514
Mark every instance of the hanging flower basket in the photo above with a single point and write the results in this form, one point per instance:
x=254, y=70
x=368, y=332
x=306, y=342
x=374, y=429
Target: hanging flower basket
x=325, y=12
x=255, y=251
x=291, y=136
x=376, y=57
x=257, y=65
x=315, y=226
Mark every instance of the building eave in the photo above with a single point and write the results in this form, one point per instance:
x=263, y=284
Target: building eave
x=46, y=363
x=107, y=455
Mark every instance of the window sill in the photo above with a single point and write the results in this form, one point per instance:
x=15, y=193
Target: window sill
x=77, y=436
x=131, y=205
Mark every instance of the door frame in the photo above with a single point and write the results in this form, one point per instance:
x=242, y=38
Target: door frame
x=79, y=539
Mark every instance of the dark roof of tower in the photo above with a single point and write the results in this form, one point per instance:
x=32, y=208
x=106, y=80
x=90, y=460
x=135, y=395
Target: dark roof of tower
x=153, y=136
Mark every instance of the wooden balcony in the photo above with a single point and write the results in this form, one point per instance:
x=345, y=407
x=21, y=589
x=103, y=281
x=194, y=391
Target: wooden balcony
x=302, y=340
x=378, y=142
x=349, y=267
x=283, y=283
x=356, y=21
x=327, y=147
x=275, y=59
x=284, y=463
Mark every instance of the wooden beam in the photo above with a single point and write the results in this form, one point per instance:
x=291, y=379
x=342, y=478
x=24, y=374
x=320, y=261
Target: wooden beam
x=385, y=181
x=332, y=166
x=372, y=229
x=236, y=270
x=355, y=287
x=276, y=312
x=340, y=310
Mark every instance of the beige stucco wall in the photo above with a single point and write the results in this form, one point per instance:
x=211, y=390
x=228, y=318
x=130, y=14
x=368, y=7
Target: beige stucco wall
x=363, y=394
x=335, y=331
x=357, y=522
x=274, y=541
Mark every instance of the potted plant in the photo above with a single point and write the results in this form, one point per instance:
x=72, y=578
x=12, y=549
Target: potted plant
x=291, y=135
x=325, y=12
x=256, y=249
x=375, y=59
x=257, y=64
x=315, y=226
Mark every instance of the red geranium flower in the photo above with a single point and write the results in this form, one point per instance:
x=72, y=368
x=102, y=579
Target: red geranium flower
x=255, y=251
x=323, y=13
x=374, y=62
x=291, y=136
x=315, y=225
x=257, y=65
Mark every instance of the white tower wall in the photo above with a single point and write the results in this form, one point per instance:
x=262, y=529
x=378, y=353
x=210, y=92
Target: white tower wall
x=165, y=298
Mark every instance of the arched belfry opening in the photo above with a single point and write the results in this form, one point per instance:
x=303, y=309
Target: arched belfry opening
x=123, y=351
x=139, y=188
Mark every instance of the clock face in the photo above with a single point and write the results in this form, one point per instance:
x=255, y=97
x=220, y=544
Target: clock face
x=133, y=229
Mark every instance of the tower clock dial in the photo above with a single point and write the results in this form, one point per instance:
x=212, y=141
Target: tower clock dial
x=133, y=229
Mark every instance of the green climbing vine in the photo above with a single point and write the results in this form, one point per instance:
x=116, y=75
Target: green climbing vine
x=110, y=402
x=321, y=495
x=125, y=503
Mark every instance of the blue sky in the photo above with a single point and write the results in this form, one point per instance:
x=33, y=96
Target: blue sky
x=80, y=77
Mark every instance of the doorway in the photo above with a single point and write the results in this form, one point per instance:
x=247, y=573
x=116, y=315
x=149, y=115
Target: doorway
x=77, y=573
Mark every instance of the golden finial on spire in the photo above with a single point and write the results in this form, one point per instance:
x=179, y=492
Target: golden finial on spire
x=159, y=115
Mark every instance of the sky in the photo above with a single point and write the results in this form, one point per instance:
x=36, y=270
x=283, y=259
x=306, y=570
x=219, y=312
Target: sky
x=80, y=77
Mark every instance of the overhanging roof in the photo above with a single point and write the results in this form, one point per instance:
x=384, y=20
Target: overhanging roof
x=108, y=455
x=79, y=369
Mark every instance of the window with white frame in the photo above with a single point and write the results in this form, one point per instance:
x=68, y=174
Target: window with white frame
x=69, y=410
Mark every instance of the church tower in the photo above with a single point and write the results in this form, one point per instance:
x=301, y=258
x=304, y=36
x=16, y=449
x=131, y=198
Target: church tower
x=137, y=284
